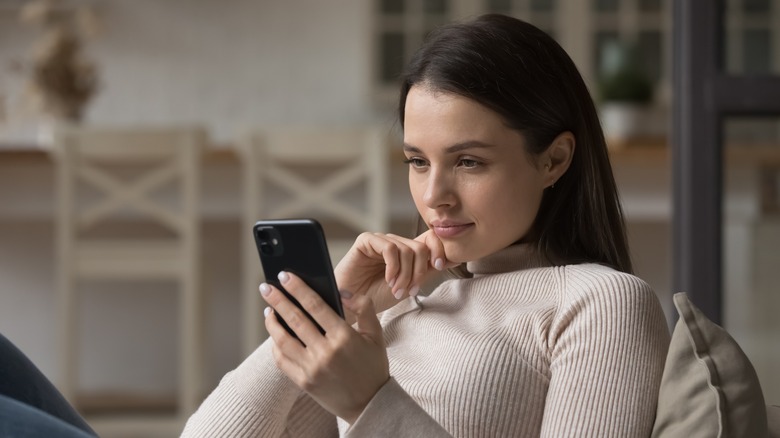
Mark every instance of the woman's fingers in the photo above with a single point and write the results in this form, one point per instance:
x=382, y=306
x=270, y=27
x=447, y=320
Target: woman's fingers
x=379, y=261
x=296, y=319
x=341, y=372
x=397, y=257
x=282, y=340
x=311, y=301
x=436, y=247
x=415, y=265
x=392, y=257
x=408, y=261
x=365, y=313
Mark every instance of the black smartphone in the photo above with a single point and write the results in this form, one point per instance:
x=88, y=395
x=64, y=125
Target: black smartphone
x=297, y=246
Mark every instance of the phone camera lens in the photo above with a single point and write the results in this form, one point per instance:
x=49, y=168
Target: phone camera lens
x=266, y=248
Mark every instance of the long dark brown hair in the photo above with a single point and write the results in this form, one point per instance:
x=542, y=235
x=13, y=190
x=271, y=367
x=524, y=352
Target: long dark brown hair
x=521, y=73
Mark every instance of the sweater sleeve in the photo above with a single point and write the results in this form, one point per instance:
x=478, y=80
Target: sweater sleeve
x=608, y=345
x=393, y=413
x=258, y=400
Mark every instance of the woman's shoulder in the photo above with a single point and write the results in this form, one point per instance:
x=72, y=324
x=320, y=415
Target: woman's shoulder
x=591, y=281
x=596, y=294
x=601, y=275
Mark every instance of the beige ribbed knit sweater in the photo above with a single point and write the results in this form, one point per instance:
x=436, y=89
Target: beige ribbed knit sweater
x=518, y=350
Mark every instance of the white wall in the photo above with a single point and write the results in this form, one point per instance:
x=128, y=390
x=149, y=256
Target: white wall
x=228, y=64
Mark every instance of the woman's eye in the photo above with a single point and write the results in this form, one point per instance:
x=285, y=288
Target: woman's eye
x=415, y=162
x=469, y=163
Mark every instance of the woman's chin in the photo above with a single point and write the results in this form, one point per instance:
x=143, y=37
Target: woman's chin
x=458, y=254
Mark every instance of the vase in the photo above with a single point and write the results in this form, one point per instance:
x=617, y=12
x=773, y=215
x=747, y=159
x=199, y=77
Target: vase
x=624, y=122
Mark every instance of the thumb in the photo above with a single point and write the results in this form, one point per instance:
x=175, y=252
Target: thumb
x=366, y=321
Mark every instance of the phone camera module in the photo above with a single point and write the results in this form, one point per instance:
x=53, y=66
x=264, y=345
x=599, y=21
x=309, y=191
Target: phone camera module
x=269, y=242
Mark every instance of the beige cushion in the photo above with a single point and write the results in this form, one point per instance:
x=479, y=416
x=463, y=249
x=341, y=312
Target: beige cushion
x=709, y=387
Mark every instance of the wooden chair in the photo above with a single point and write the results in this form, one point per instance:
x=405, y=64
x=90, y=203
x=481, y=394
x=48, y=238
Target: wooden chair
x=130, y=168
x=338, y=175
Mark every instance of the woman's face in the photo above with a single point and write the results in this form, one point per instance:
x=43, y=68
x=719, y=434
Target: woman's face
x=470, y=176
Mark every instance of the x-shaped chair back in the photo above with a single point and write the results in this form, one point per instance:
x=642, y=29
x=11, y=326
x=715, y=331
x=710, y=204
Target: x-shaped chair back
x=350, y=190
x=350, y=156
x=130, y=168
x=161, y=157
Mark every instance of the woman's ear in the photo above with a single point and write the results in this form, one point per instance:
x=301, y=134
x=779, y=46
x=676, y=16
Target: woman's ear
x=557, y=158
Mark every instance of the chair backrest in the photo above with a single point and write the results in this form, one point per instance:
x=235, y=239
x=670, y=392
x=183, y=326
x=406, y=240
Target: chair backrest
x=338, y=175
x=111, y=182
x=112, y=173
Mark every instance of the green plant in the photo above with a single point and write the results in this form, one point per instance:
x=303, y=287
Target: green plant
x=627, y=86
x=623, y=79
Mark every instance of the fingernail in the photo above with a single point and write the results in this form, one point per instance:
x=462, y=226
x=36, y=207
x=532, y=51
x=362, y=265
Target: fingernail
x=345, y=294
x=398, y=294
x=283, y=277
x=265, y=289
x=391, y=282
x=438, y=264
x=414, y=291
x=266, y=312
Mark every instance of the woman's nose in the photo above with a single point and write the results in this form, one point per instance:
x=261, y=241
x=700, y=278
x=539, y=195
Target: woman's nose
x=439, y=191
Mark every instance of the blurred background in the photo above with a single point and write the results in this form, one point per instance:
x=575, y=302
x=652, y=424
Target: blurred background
x=236, y=69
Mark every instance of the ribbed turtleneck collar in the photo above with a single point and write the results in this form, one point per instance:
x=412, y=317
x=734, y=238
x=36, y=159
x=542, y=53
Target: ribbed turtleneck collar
x=512, y=258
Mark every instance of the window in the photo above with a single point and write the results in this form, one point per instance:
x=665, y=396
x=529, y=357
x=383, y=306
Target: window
x=643, y=24
x=539, y=12
x=752, y=48
x=583, y=27
x=402, y=25
x=753, y=43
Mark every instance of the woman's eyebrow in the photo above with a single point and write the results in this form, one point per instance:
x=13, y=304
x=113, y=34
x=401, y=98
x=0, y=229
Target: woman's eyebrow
x=457, y=147
x=412, y=149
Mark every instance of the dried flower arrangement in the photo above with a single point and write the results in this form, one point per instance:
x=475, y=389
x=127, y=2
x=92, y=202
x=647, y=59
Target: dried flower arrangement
x=61, y=81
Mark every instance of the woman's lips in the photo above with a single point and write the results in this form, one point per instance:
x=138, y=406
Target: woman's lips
x=451, y=230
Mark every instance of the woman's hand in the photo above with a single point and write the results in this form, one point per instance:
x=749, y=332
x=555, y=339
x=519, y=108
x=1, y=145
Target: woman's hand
x=387, y=268
x=341, y=370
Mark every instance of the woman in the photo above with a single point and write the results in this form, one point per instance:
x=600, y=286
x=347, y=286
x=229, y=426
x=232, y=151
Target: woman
x=546, y=332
